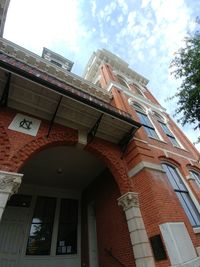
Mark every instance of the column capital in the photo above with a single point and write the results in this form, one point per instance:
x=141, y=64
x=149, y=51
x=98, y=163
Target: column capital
x=128, y=200
x=10, y=182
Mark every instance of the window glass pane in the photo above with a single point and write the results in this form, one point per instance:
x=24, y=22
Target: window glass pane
x=39, y=241
x=169, y=134
x=44, y=210
x=183, y=195
x=147, y=125
x=196, y=176
x=152, y=133
x=173, y=140
x=67, y=230
x=165, y=129
x=170, y=176
x=178, y=179
x=144, y=119
x=190, y=209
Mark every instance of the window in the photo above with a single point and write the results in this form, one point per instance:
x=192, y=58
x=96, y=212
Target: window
x=182, y=194
x=39, y=241
x=145, y=121
x=67, y=229
x=56, y=63
x=137, y=89
x=169, y=134
x=166, y=129
x=196, y=176
x=43, y=221
x=147, y=125
x=122, y=81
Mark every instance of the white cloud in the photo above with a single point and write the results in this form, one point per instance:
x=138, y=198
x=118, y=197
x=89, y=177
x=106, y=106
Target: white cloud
x=123, y=5
x=104, y=40
x=43, y=23
x=145, y=3
x=94, y=7
x=120, y=19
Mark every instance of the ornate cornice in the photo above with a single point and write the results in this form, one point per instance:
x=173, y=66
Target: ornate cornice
x=128, y=200
x=45, y=66
x=10, y=182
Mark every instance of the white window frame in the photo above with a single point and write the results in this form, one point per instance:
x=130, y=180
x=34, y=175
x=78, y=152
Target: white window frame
x=165, y=121
x=196, y=176
x=146, y=112
x=192, y=196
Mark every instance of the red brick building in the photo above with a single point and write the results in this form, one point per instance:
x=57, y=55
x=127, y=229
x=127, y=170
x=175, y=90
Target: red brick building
x=93, y=172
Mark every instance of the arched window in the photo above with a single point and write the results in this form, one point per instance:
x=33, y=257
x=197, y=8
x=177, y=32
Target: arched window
x=196, y=176
x=98, y=83
x=145, y=121
x=137, y=89
x=182, y=194
x=122, y=81
x=166, y=129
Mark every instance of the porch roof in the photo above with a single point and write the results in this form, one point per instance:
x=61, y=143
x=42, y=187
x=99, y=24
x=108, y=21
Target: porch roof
x=36, y=92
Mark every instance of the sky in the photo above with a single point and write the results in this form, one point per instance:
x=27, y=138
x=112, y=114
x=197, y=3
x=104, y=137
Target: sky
x=144, y=33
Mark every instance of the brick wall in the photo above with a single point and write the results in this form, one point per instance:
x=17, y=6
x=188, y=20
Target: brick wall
x=112, y=230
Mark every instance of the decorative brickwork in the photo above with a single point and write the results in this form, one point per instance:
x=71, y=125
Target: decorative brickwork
x=4, y=144
x=22, y=155
x=24, y=146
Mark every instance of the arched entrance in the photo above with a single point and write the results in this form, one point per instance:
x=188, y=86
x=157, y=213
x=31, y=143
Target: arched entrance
x=46, y=229
x=52, y=219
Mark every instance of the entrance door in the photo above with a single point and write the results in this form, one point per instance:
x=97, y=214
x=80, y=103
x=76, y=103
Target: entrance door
x=12, y=232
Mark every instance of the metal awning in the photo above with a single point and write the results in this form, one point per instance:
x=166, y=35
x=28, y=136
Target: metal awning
x=33, y=91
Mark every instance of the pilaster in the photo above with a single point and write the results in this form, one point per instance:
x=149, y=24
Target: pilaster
x=139, y=240
x=9, y=185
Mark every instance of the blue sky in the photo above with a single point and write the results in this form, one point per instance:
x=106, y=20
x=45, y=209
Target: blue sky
x=145, y=33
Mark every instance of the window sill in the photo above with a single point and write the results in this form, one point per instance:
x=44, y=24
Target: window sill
x=196, y=230
x=180, y=148
x=156, y=139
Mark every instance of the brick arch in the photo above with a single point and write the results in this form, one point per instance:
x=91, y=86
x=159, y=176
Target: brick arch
x=170, y=160
x=111, y=155
x=23, y=155
x=107, y=152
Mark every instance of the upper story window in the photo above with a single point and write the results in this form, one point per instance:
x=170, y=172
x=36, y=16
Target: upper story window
x=98, y=83
x=166, y=129
x=182, y=194
x=137, y=89
x=56, y=63
x=196, y=176
x=145, y=121
x=122, y=81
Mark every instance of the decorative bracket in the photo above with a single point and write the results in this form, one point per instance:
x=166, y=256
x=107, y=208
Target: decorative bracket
x=123, y=143
x=54, y=115
x=94, y=129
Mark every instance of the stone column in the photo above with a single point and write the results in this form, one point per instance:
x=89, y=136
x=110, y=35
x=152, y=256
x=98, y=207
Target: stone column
x=139, y=240
x=9, y=184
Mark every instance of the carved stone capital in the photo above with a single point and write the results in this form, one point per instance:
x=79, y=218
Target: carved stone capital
x=10, y=182
x=129, y=200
